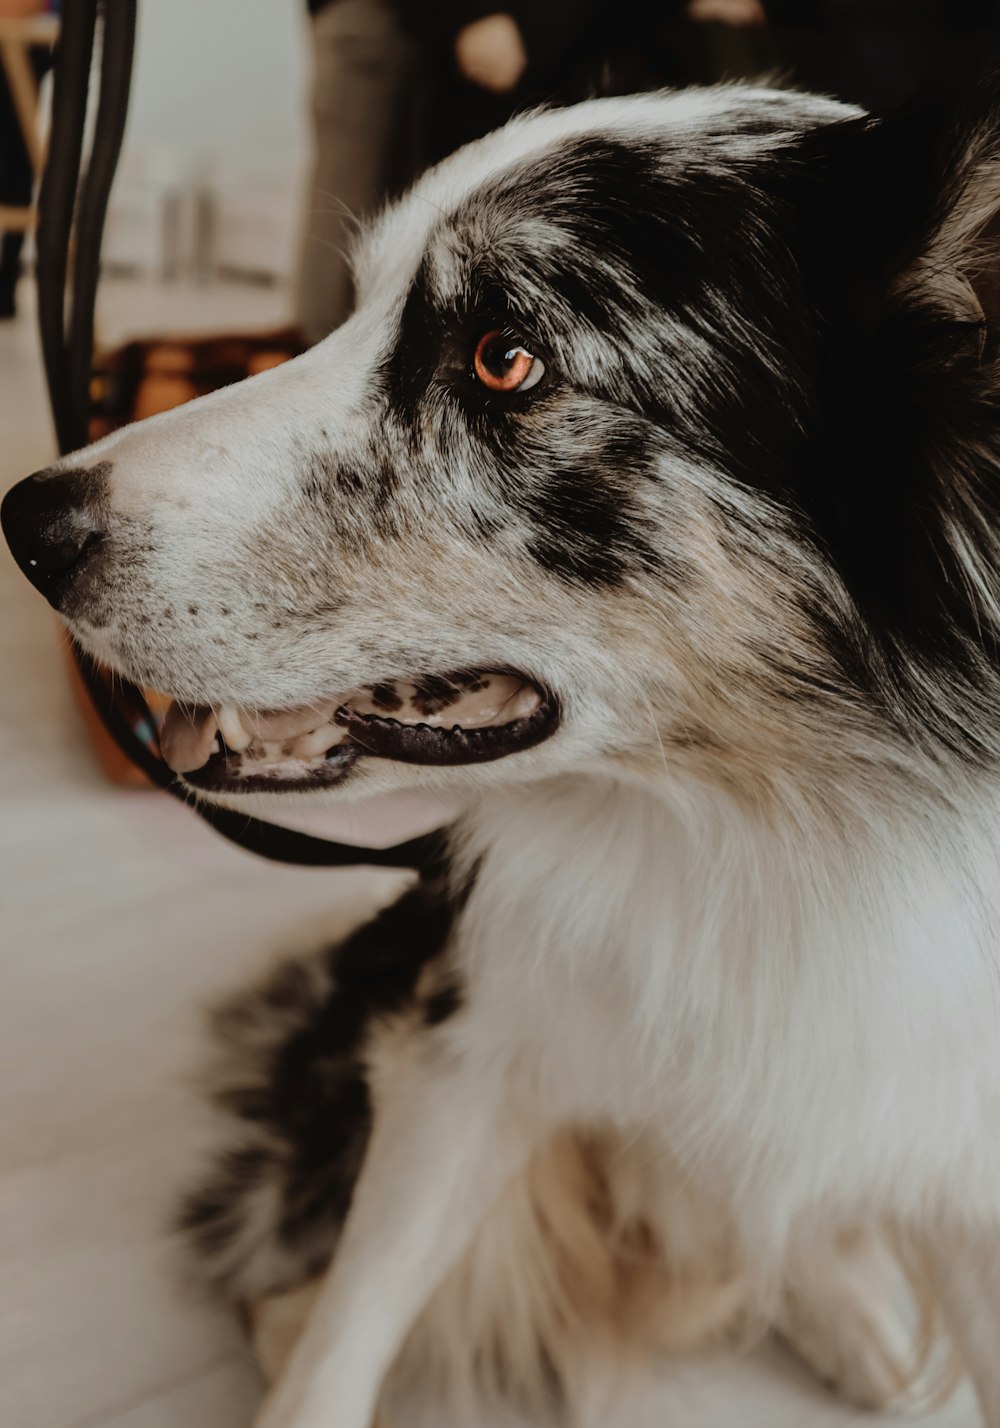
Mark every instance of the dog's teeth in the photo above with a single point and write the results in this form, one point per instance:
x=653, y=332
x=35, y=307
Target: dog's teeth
x=216, y=746
x=311, y=746
x=231, y=728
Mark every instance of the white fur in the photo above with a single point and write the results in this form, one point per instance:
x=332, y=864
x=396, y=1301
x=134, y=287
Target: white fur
x=810, y=1025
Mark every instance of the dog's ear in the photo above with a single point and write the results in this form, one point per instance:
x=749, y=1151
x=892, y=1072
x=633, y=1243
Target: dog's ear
x=899, y=228
x=910, y=210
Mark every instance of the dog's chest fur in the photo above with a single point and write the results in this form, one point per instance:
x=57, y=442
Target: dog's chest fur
x=807, y=1025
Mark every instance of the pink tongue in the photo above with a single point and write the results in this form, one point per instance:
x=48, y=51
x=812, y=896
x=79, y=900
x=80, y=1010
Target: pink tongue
x=187, y=736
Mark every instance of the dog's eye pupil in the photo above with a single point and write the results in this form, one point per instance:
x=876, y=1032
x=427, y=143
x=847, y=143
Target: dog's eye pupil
x=503, y=364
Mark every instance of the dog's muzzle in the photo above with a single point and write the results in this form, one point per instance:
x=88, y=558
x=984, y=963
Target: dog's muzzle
x=52, y=522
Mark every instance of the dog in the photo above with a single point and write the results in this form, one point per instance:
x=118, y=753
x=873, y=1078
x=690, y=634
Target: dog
x=648, y=503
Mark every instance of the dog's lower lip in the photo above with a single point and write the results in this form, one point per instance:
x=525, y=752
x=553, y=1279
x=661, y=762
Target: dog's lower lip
x=421, y=744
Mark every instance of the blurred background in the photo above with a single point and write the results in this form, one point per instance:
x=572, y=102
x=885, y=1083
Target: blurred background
x=259, y=129
x=210, y=182
x=259, y=132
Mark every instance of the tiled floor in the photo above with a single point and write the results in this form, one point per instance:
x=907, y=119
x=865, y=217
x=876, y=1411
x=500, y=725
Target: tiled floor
x=119, y=916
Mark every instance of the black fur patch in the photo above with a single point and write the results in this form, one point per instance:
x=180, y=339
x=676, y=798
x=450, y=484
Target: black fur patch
x=443, y=1004
x=413, y=362
x=585, y=528
x=385, y=697
x=293, y=1082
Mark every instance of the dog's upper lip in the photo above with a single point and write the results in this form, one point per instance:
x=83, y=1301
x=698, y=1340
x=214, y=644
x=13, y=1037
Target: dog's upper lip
x=452, y=719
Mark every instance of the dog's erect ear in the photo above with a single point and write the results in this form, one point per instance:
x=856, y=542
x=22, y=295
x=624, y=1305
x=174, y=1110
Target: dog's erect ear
x=899, y=222
x=946, y=154
x=912, y=207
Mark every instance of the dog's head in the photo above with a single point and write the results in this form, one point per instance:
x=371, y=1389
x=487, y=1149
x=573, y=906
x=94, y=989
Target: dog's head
x=629, y=459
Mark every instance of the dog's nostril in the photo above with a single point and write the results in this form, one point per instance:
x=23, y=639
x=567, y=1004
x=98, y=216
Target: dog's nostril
x=50, y=530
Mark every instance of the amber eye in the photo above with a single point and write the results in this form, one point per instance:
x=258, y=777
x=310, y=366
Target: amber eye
x=503, y=365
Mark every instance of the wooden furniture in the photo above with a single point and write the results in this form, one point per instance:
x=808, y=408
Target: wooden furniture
x=17, y=36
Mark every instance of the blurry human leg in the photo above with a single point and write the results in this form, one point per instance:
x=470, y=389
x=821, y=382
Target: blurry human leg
x=15, y=190
x=365, y=73
x=17, y=176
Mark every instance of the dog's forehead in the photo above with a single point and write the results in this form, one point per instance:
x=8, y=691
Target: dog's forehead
x=457, y=205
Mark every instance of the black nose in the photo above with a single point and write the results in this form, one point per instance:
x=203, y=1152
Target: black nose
x=50, y=529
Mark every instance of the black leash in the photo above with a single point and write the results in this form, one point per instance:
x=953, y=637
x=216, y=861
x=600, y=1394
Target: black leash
x=73, y=204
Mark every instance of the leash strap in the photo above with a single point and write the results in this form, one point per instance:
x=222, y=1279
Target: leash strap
x=72, y=207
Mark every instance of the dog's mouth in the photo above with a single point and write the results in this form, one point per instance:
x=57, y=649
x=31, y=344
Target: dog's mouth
x=466, y=718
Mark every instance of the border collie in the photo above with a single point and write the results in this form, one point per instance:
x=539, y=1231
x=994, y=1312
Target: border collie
x=650, y=502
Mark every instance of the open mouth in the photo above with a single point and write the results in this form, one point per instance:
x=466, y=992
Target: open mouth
x=466, y=718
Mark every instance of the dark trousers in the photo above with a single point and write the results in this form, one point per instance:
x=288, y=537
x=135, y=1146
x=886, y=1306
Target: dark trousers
x=16, y=175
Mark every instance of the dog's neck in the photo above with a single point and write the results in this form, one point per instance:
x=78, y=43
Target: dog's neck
x=683, y=865
x=607, y=925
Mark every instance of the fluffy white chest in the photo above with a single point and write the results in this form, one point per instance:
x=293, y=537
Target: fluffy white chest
x=800, y=1023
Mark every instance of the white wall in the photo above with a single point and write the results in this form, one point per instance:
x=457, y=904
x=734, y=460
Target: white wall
x=219, y=101
x=218, y=76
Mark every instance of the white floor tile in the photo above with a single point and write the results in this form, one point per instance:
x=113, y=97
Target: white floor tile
x=224, y=1397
